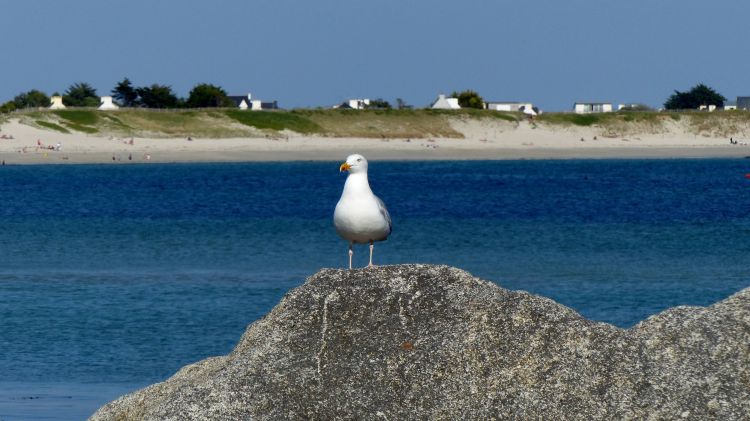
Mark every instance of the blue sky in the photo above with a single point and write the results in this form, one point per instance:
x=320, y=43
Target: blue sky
x=316, y=53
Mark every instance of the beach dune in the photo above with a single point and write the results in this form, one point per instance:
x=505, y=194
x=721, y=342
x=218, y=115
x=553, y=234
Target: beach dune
x=482, y=139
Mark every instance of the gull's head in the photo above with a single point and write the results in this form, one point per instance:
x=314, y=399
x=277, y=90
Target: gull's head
x=354, y=164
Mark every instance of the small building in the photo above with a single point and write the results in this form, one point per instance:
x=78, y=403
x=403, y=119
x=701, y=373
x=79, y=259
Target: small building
x=709, y=108
x=354, y=104
x=592, y=107
x=56, y=103
x=512, y=106
x=258, y=105
x=246, y=102
x=107, y=104
x=743, y=103
x=240, y=101
x=730, y=105
x=508, y=106
x=443, y=103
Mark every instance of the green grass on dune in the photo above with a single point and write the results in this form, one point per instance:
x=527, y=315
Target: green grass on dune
x=81, y=128
x=275, y=120
x=114, y=121
x=217, y=123
x=52, y=126
x=569, y=118
x=387, y=123
x=79, y=120
x=84, y=117
x=170, y=123
x=604, y=119
x=379, y=123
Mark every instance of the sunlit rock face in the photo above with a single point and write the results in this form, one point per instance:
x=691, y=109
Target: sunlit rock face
x=434, y=342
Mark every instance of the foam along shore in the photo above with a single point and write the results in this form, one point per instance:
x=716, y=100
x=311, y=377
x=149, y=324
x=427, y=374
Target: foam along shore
x=481, y=139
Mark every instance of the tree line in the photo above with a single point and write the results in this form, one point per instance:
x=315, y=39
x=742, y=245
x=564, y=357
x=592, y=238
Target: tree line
x=206, y=95
x=124, y=94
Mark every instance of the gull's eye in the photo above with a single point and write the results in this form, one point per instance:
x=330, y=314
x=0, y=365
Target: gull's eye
x=359, y=159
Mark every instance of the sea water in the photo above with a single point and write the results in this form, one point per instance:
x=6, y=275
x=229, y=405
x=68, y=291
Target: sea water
x=113, y=277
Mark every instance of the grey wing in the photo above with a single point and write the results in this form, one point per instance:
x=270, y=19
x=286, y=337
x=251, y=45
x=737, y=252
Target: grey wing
x=386, y=215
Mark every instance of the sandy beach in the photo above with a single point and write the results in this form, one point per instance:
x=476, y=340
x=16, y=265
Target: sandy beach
x=483, y=140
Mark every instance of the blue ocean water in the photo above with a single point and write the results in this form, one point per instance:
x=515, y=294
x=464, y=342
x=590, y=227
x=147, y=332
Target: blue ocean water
x=115, y=276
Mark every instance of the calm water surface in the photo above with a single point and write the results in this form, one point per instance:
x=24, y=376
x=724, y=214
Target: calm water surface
x=113, y=277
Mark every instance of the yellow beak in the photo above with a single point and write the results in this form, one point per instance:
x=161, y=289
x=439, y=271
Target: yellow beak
x=344, y=167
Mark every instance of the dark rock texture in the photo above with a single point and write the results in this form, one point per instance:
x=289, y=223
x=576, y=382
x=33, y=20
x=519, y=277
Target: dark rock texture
x=434, y=342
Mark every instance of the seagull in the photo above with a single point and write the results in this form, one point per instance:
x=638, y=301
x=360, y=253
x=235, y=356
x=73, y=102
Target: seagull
x=360, y=216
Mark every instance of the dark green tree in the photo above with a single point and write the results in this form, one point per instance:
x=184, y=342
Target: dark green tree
x=158, y=96
x=401, y=104
x=81, y=95
x=7, y=107
x=125, y=94
x=699, y=95
x=379, y=104
x=469, y=99
x=31, y=99
x=207, y=95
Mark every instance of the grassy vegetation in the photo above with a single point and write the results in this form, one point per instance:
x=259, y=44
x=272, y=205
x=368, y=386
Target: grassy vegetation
x=380, y=123
x=52, y=126
x=78, y=120
x=115, y=122
x=274, y=120
x=420, y=123
x=218, y=123
x=81, y=128
x=172, y=123
x=640, y=116
x=80, y=117
x=568, y=118
x=719, y=123
x=613, y=119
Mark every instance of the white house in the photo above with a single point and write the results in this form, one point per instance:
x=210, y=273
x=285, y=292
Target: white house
x=107, y=104
x=444, y=103
x=508, y=106
x=708, y=108
x=730, y=105
x=354, y=104
x=241, y=101
x=246, y=102
x=57, y=103
x=523, y=107
x=592, y=107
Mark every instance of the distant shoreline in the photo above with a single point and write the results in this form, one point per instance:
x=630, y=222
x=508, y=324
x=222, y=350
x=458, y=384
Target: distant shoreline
x=378, y=155
x=23, y=141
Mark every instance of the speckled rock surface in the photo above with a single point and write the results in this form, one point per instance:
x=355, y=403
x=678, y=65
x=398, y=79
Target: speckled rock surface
x=434, y=342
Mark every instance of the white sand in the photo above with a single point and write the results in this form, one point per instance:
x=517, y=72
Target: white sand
x=483, y=140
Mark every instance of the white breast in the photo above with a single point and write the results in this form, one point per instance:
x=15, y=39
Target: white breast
x=360, y=216
x=360, y=220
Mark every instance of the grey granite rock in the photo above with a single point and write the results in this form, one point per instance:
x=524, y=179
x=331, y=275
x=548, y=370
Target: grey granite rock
x=434, y=342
